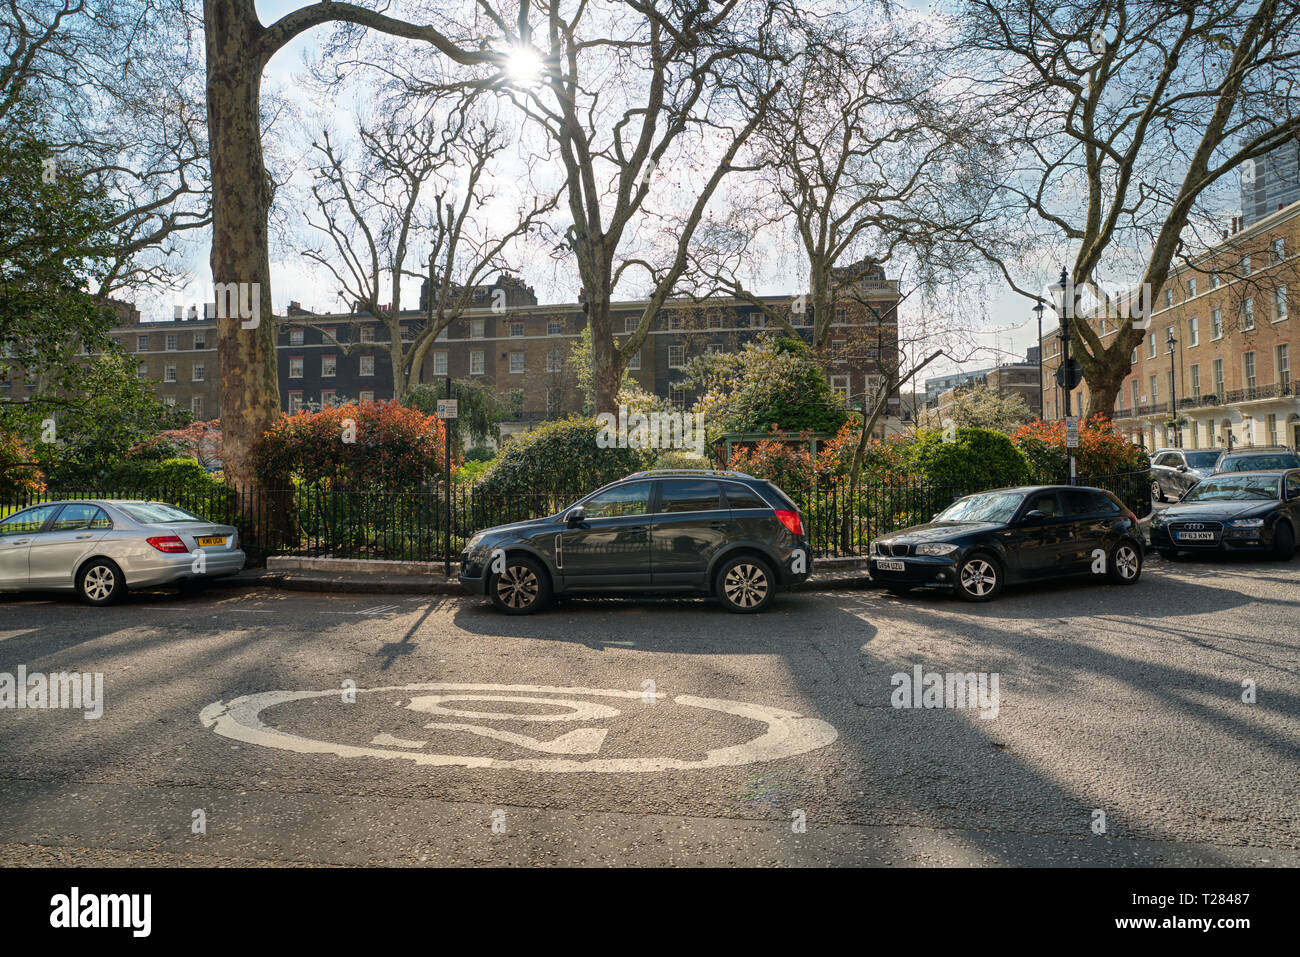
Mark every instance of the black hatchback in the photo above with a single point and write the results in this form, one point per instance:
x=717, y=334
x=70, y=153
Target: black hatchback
x=720, y=533
x=981, y=542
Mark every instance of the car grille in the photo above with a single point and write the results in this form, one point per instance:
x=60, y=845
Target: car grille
x=1215, y=527
x=896, y=551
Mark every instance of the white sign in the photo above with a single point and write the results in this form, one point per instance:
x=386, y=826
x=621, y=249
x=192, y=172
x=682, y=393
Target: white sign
x=1072, y=432
x=447, y=408
x=474, y=709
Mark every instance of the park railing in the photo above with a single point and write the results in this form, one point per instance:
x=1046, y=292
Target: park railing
x=433, y=524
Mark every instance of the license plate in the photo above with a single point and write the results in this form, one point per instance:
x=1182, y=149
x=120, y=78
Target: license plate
x=1196, y=536
x=892, y=566
x=208, y=540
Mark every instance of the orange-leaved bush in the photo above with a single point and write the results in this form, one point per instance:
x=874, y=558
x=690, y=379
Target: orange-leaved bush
x=1101, y=451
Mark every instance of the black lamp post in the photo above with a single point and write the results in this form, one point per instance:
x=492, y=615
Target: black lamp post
x=1172, y=343
x=1063, y=298
x=1042, y=403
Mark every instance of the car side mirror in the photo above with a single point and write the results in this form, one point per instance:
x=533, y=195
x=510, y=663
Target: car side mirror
x=1182, y=468
x=1034, y=515
x=934, y=517
x=575, y=516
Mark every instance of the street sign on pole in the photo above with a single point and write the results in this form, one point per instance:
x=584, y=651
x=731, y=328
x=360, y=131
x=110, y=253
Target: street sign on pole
x=1072, y=432
x=447, y=408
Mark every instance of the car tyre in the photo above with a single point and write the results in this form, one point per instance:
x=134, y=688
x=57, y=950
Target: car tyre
x=521, y=588
x=979, y=578
x=1125, y=566
x=100, y=582
x=1157, y=493
x=745, y=585
x=1284, y=542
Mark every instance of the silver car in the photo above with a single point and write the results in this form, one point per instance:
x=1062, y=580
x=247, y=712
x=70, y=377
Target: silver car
x=101, y=548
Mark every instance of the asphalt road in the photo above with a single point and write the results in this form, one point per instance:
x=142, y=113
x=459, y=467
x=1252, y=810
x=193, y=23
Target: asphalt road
x=693, y=736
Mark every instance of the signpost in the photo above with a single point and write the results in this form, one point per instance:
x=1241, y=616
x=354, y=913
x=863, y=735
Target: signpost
x=1072, y=442
x=448, y=411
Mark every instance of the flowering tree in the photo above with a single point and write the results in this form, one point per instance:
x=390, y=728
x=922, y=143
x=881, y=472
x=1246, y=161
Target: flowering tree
x=19, y=473
x=200, y=441
x=1101, y=449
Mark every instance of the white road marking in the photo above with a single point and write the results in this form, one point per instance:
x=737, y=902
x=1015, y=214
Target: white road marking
x=787, y=733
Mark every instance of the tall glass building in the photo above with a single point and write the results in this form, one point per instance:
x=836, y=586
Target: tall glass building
x=1274, y=183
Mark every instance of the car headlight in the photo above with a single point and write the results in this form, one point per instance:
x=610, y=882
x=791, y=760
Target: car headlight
x=875, y=548
x=476, y=540
x=1158, y=518
x=1246, y=523
x=941, y=548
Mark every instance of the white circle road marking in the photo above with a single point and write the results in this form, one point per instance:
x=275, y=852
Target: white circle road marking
x=787, y=733
x=578, y=710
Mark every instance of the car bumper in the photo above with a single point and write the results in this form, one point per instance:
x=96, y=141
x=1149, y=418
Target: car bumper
x=473, y=575
x=917, y=570
x=1231, y=540
x=170, y=569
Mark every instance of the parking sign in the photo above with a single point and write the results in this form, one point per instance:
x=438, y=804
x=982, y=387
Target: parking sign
x=447, y=408
x=1072, y=432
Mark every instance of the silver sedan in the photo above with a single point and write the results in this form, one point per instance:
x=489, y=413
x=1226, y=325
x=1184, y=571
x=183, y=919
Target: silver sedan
x=100, y=548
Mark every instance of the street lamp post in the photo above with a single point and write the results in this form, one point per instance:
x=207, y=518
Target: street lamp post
x=1063, y=297
x=1172, y=343
x=1042, y=402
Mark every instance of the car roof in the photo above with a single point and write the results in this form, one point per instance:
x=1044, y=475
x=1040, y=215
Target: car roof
x=689, y=473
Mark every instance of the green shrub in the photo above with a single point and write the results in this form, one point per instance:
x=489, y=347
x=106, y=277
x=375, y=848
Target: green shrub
x=558, y=457
x=975, y=459
x=480, y=453
x=682, y=460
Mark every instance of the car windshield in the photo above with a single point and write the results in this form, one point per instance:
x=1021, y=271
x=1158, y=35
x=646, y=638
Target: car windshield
x=992, y=507
x=1251, y=463
x=156, y=513
x=1202, y=460
x=1234, y=488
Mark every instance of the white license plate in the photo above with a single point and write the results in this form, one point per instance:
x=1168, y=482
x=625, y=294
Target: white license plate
x=1196, y=536
x=892, y=566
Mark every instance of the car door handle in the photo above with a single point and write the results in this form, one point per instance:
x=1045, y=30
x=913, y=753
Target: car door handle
x=717, y=524
x=21, y=541
x=636, y=528
x=81, y=537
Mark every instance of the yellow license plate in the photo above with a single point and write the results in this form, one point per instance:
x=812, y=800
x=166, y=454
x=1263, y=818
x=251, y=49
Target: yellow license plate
x=212, y=540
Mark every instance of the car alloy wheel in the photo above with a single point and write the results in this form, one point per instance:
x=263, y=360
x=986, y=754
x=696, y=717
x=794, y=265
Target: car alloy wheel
x=518, y=587
x=101, y=583
x=1157, y=493
x=1125, y=564
x=978, y=578
x=745, y=586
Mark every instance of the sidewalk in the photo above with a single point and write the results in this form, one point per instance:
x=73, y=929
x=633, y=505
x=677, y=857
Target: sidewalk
x=426, y=578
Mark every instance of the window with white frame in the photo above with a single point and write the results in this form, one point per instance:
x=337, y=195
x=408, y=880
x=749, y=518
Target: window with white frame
x=1249, y=361
x=328, y=398
x=440, y=363
x=197, y=372
x=200, y=340
x=1248, y=313
x=1191, y=287
x=676, y=357
x=1282, y=362
x=1196, y=381
x=1151, y=346
x=196, y=405
x=1219, y=386
x=1272, y=428
x=1279, y=249
x=677, y=395
x=516, y=363
x=169, y=374
x=142, y=370
x=634, y=360
x=1216, y=323
x=1214, y=279
x=1169, y=297
x=1193, y=331
x=1136, y=388
x=476, y=328
x=295, y=401
x=366, y=395
x=476, y=362
x=170, y=343
x=630, y=323
x=141, y=343
x=1155, y=389
x=1245, y=264
x=295, y=367
x=169, y=400
x=840, y=386
x=296, y=337
x=516, y=329
x=1279, y=304
x=407, y=332
x=841, y=313
x=838, y=349
x=329, y=366
x=367, y=333
x=366, y=365
x=555, y=327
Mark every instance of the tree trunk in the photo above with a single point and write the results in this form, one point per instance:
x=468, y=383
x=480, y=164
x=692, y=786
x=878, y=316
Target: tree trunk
x=241, y=200
x=607, y=370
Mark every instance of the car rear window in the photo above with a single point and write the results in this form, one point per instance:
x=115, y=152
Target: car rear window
x=1252, y=463
x=781, y=497
x=156, y=513
x=739, y=496
x=1079, y=501
x=690, y=495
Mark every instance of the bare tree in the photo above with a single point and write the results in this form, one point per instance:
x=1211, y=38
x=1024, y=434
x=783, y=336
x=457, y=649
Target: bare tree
x=424, y=187
x=1126, y=114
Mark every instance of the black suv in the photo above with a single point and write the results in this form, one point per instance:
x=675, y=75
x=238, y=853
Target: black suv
x=1260, y=458
x=726, y=534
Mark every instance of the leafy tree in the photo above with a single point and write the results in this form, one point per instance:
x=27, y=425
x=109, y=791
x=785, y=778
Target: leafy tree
x=480, y=408
x=200, y=441
x=983, y=408
x=19, y=473
x=973, y=459
x=770, y=384
x=1101, y=451
x=559, y=457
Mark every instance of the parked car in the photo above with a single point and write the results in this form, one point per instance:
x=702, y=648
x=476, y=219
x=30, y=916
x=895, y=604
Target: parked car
x=1256, y=459
x=982, y=542
x=726, y=534
x=101, y=548
x=1174, y=471
x=1233, y=511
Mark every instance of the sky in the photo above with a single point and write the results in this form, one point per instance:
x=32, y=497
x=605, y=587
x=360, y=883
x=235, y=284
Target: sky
x=1003, y=325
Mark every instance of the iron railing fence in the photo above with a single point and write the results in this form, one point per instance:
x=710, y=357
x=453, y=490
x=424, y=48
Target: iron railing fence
x=414, y=526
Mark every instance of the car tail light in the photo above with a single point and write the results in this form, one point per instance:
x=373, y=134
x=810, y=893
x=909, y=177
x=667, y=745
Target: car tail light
x=168, y=543
x=790, y=520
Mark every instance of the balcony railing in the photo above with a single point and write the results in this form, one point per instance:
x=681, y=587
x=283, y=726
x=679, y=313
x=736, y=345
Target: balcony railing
x=1215, y=400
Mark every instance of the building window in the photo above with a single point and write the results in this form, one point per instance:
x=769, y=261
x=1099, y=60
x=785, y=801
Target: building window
x=715, y=320
x=1103, y=327
x=1216, y=323
x=1272, y=428
x=141, y=343
x=555, y=361
x=196, y=406
x=1169, y=297
x=553, y=399
x=367, y=395
x=1279, y=304
x=1196, y=381
x=676, y=320
x=516, y=330
x=1245, y=264
x=1133, y=359
x=295, y=367
x=200, y=340
x=367, y=366
x=169, y=374
x=1279, y=249
x=840, y=386
x=1214, y=279
x=197, y=372
x=677, y=395
x=676, y=357
x=1250, y=370
x=296, y=338
x=838, y=349
x=1155, y=390
x=476, y=328
x=1136, y=387
x=1248, y=314
x=440, y=363
x=1217, y=368
x=1151, y=347
x=367, y=333
x=407, y=332
x=329, y=366
x=170, y=401
x=516, y=363
x=476, y=362
x=295, y=401
x=1193, y=332
x=142, y=370
x=555, y=327
x=328, y=398
x=634, y=360
x=170, y=343
x=630, y=323
x=841, y=313
x=1191, y=287
x=1283, y=362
